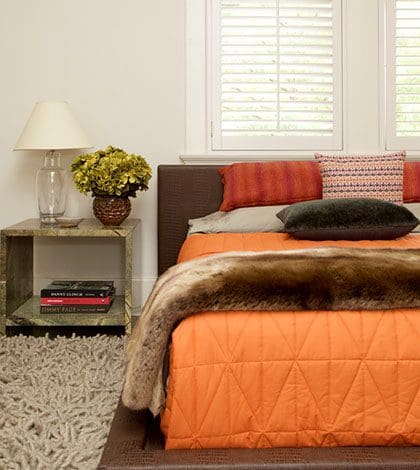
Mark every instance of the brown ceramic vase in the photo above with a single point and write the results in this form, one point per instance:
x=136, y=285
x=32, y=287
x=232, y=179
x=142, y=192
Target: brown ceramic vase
x=111, y=211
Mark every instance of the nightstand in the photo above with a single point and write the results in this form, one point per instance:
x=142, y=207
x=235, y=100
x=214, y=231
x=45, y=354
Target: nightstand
x=18, y=305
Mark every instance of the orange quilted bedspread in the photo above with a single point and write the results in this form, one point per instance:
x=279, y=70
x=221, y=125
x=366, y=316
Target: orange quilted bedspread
x=265, y=379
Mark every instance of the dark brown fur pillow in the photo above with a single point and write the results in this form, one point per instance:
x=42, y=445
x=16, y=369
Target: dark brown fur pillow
x=347, y=219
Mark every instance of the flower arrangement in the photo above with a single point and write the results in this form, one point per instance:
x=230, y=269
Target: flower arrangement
x=111, y=172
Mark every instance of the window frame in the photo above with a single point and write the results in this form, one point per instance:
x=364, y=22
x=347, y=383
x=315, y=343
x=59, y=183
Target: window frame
x=391, y=140
x=218, y=143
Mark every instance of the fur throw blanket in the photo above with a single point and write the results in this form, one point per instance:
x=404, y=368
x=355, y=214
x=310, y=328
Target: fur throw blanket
x=310, y=279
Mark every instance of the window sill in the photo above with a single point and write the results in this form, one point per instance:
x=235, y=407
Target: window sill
x=208, y=158
x=220, y=159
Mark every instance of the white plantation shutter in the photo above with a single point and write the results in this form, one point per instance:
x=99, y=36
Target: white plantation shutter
x=403, y=74
x=276, y=74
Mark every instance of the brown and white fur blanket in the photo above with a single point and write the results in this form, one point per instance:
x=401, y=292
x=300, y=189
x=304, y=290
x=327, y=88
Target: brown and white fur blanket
x=310, y=279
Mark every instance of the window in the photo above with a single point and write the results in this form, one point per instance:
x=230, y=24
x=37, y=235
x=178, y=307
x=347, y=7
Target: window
x=403, y=74
x=276, y=74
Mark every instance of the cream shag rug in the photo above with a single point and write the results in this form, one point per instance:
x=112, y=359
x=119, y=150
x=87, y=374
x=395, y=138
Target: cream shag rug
x=57, y=400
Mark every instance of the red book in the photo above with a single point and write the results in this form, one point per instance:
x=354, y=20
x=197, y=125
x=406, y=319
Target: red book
x=76, y=300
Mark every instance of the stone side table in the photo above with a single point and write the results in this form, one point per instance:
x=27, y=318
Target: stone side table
x=18, y=305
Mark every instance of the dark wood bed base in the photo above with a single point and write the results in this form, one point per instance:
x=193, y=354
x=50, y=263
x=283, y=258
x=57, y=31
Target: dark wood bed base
x=135, y=440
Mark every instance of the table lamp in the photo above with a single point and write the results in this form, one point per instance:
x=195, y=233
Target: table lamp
x=51, y=127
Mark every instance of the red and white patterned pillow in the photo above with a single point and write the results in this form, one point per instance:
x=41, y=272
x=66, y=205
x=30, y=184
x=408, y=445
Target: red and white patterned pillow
x=363, y=176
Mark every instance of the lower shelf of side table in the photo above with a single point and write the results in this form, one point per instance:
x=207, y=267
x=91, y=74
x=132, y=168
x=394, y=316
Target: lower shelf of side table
x=28, y=315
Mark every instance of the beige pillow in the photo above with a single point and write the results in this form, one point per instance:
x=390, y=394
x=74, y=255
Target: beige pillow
x=414, y=207
x=242, y=220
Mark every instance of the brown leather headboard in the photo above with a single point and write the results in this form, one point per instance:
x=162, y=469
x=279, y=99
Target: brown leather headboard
x=184, y=192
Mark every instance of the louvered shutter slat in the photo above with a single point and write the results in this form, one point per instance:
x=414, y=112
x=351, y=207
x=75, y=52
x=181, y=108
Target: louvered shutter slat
x=277, y=72
x=407, y=68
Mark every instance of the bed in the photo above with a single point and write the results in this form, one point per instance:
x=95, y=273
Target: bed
x=136, y=440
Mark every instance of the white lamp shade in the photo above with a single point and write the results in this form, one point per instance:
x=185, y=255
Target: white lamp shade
x=52, y=126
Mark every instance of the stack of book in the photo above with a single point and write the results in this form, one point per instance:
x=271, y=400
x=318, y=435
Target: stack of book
x=77, y=297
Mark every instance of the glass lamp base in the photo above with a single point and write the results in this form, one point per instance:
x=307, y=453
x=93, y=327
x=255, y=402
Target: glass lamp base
x=49, y=219
x=51, y=189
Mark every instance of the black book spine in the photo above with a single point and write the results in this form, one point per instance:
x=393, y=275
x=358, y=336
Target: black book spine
x=75, y=293
x=74, y=308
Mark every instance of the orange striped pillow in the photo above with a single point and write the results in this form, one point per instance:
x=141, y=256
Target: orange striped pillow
x=412, y=182
x=270, y=183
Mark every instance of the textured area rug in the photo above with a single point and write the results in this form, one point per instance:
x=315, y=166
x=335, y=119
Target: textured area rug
x=57, y=400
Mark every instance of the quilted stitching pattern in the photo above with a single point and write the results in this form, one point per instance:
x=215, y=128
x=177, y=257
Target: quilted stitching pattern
x=294, y=379
x=212, y=243
x=264, y=379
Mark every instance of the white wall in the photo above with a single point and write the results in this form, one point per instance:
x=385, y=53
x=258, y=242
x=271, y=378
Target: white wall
x=121, y=65
x=361, y=106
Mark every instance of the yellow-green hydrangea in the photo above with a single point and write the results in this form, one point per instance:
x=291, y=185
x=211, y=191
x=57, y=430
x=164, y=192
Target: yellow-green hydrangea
x=111, y=172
